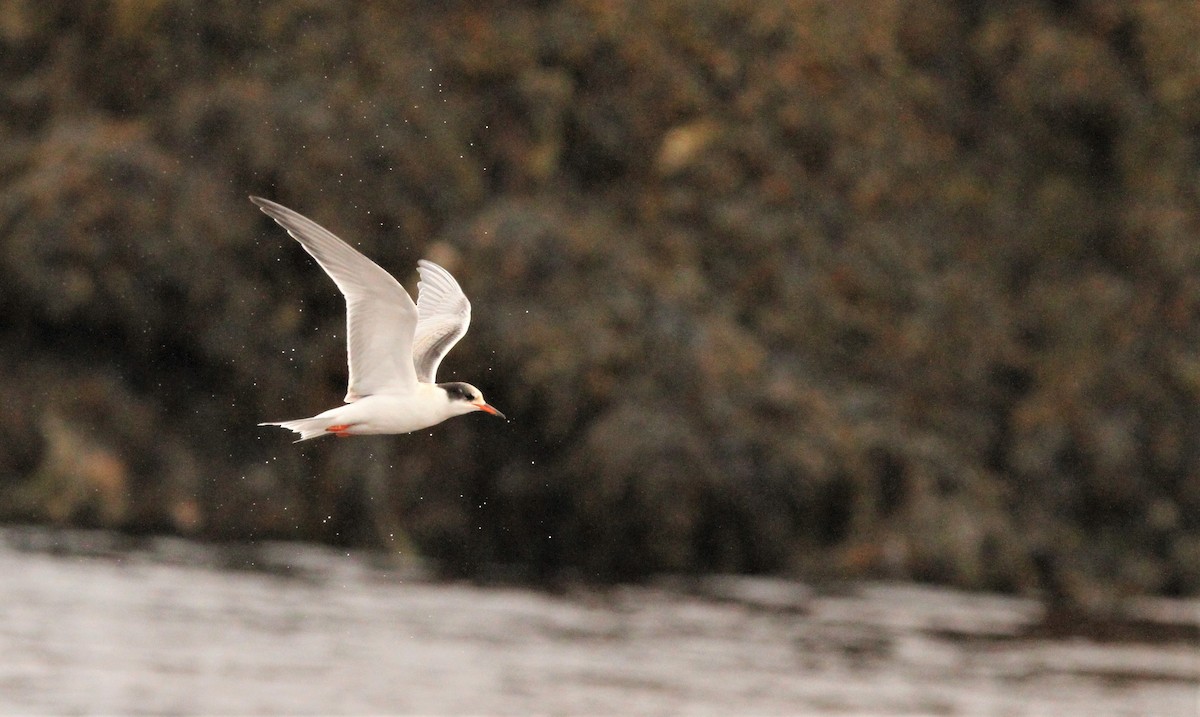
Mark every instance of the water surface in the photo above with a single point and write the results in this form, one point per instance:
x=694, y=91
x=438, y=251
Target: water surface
x=91, y=625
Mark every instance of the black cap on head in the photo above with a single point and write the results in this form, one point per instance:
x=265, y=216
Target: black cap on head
x=458, y=391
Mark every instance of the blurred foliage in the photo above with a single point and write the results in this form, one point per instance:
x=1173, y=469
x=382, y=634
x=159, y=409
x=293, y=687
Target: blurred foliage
x=905, y=288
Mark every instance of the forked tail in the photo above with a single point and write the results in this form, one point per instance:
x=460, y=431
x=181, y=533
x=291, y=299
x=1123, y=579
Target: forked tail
x=308, y=428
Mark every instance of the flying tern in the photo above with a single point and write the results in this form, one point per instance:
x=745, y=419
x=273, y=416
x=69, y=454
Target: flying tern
x=393, y=346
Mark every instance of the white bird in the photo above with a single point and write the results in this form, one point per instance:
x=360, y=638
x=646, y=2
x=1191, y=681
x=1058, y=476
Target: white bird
x=393, y=345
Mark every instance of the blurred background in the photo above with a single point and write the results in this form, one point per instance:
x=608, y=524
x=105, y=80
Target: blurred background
x=903, y=290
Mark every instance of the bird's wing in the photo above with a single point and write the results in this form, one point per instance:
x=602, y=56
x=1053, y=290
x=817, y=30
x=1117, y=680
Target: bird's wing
x=443, y=317
x=380, y=315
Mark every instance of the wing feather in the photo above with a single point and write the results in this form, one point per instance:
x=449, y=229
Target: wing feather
x=380, y=315
x=443, y=317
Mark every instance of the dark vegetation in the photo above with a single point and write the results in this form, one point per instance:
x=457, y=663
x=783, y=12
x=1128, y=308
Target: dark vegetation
x=897, y=288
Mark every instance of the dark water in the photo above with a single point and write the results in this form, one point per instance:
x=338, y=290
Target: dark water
x=91, y=626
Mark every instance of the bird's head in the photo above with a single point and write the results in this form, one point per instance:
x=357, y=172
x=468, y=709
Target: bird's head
x=464, y=398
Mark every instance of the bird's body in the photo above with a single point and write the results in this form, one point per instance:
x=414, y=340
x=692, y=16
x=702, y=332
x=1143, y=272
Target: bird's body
x=381, y=413
x=394, y=346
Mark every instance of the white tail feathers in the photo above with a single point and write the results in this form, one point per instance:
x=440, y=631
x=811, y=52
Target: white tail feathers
x=308, y=428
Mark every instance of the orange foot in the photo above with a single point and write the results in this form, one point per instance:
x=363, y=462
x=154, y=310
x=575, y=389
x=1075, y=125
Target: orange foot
x=340, y=431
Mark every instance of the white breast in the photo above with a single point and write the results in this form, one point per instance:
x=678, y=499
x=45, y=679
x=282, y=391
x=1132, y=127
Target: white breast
x=390, y=413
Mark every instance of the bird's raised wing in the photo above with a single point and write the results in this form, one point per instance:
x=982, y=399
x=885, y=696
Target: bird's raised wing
x=380, y=315
x=443, y=317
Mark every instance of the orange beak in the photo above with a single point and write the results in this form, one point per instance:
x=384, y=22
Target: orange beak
x=491, y=410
